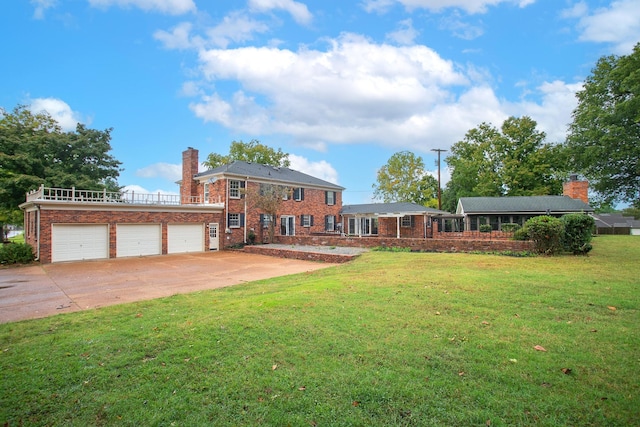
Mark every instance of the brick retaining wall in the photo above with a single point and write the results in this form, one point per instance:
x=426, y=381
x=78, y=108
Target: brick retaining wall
x=305, y=256
x=426, y=245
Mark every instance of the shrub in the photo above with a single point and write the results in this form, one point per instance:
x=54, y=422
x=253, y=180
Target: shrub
x=510, y=228
x=547, y=233
x=521, y=234
x=578, y=232
x=485, y=228
x=16, y=253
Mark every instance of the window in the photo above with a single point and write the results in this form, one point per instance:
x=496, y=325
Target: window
x=206, y=193
x=298, y=194
x=306, y=220
x=234, y=188
x=265, y=220
x=235, y=220
x=330, y=223
x=330, y=197
x=407, y=221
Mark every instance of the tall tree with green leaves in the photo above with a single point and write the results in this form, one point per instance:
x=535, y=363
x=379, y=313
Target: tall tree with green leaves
x=253, y=151
x=604, y=137
x=404, y=179
x=511, y=161
x=34, y=150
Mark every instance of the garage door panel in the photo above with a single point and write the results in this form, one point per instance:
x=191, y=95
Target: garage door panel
x=185, y=238
x=75, y=242
x=138, y=239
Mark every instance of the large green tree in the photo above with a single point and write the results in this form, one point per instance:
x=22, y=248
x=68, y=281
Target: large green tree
x=604, y=137
x=511, y=161
x=253, y=151
x=404, y=179
x=34, y=150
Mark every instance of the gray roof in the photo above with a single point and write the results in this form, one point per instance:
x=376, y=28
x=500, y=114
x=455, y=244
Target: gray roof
x=390, y=209
x=521, y=204
x=615, y=220
x=283, y=175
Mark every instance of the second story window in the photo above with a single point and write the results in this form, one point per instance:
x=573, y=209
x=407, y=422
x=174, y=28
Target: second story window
x=206, y=193
x=298, y=194
x=234, y=189
x=330, y=198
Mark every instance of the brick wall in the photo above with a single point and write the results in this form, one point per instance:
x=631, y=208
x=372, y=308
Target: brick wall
x=189, y=187
x=112, y=218
x=576, y=189
x=427, y=245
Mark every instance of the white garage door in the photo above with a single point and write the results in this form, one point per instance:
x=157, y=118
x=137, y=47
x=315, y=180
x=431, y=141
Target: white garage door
x=138, y=239
x=74, y=242
x=185, y=238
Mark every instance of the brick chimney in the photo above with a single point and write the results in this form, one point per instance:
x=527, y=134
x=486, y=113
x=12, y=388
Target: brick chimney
x=576, y=189
x=189, y=186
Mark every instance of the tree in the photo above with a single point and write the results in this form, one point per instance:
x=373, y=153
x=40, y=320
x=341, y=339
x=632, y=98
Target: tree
x=604, y=137
x=268, y=198
x=511, y=161
x=35, y=151
x=252, y=151
x=404, y=179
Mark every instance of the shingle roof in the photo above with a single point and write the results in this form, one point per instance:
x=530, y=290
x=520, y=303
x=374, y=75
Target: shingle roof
x=615, y=220
x=271, y=173
x=524, y=204
x=389, y=209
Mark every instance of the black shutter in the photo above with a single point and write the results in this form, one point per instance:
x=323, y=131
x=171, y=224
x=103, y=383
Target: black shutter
x=311, y=221
x=261, y=218
x=301, y=220
x=241, y=220
x=326, y=197
x=302, y=194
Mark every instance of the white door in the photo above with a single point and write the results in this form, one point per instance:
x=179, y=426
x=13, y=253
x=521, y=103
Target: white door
x=75, y=242
x=138, y=239
x=287, y=225
x=214, y=244
x=185, y=238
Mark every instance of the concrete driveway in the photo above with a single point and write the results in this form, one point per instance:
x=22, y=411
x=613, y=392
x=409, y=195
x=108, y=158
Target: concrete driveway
x=44, y=290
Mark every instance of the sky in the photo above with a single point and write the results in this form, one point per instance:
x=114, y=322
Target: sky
x=339, y=85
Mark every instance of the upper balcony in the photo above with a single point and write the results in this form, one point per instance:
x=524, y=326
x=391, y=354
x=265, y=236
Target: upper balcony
x=102, y=196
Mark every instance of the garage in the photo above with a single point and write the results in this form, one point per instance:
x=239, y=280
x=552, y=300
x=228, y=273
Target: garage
x=138, y=239
x=75, y=242
x=185, y=238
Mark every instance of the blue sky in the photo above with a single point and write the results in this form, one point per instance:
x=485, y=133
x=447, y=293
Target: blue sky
x=340, y=85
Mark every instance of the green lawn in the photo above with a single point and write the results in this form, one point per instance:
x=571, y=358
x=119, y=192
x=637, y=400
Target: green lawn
x=389, y=339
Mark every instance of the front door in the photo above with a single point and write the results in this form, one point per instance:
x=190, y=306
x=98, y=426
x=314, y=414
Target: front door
x=287, y=225
x=214, y=244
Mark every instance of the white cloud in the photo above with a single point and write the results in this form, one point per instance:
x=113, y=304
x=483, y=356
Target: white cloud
x=405, y=35
x=321, y=169
x=618, y=24
x=469, y=6
x=459, y=28
x=236, y=27
x=178, y=38
x=41, y=6
x=168, y=171
x=170, y=7
x=136, y=189
x=59, y=110
x=298, y=11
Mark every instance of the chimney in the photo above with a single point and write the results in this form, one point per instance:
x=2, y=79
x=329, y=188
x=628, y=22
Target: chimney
x=576, y=189
x=189, y=186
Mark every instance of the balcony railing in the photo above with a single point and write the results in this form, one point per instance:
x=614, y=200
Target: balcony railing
x=103, y=196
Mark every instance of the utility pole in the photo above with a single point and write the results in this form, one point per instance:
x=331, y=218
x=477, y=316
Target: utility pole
x=439, y=150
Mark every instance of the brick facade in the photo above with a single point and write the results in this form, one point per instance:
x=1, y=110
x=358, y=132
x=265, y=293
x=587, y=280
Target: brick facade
x=576, y=189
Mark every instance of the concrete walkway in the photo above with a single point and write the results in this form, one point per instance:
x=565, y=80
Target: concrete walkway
x=44, y=290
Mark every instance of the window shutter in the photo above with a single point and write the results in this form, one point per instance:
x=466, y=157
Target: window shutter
x=261, y=218
x=413, y=220
x=302, y=194
x=311, y=220
x=326, y=197
x=241, y=220
x=301, y=220
x=326, y=222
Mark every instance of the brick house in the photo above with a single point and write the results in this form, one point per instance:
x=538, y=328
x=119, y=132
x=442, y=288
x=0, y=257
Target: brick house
x=309, y=206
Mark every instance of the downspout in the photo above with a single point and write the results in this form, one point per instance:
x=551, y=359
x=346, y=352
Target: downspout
x=38, y=232
x=246, y=192
x=398, y=227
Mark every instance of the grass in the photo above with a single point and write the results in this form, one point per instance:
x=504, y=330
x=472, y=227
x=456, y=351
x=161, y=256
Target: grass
x=389, y=339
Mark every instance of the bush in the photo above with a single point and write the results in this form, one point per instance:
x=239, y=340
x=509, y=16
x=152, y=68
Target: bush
x=485, y=228
x=16, y=253
x=521, y=234
x=547, y=233
x=510, y=228
x=578, y=232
